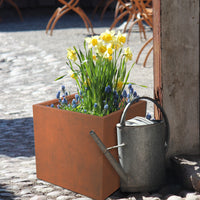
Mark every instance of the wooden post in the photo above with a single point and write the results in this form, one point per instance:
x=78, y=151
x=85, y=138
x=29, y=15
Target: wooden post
x=176, y=70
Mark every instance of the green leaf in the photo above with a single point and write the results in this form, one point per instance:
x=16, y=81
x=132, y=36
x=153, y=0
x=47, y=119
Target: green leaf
x=60, y=77
x=144, y=86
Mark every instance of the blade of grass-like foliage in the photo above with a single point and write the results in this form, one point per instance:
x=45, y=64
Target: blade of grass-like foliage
x=60, y=77
x=127, y=76
x=144, y=86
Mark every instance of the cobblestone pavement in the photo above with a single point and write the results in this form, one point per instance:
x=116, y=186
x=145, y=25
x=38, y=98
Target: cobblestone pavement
x=30, y=60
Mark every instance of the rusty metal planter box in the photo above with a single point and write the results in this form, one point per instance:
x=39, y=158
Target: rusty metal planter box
x=67, y=156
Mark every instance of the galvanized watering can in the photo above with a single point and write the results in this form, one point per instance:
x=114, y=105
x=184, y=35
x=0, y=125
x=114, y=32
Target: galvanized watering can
x=142, y=145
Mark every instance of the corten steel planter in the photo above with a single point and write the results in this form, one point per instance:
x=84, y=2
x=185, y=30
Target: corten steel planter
x=66, y=154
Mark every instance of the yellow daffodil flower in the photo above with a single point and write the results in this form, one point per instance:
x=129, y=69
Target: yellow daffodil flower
x=119, y=85
x=71, y=54
x=100, y=49
x=110, y=58
x=71, y=74
x=87, y=82
x=121, y=37
x=110, y=50
x=92, y=41
x=116, y=44
x=94, y=57
x=128, y=54
x=107, y=36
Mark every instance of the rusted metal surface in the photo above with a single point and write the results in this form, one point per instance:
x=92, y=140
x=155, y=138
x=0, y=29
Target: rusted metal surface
x=67, y=6
x=66, y=154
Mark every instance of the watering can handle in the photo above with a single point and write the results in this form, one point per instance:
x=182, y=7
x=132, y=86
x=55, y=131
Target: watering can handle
x=123, y=117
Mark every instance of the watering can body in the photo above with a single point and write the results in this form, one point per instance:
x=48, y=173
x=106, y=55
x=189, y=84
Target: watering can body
x=142, y=146
x=143, y=156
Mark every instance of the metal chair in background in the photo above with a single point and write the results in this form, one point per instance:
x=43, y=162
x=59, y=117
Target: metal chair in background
x=126, y=8
x=11, y=2
x=67, y=6
x=148, y=53
x=104, y=5
x=145, y=15
x=139, y=12
x=133, y=8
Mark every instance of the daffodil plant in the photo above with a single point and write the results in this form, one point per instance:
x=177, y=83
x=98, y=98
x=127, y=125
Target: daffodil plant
x=100, y=73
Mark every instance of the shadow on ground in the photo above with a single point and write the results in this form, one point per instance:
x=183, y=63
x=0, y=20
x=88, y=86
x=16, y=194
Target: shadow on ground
x=5, y=194
x=17, y=137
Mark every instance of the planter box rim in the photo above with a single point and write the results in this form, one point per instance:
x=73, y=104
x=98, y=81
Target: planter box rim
x=49, y=102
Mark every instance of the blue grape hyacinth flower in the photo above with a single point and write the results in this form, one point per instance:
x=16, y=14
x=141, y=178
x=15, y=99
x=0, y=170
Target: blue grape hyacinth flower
x=73, y=102
x=64, y=101
x=129, y=86
x=58, y=95
x=52, y=105
x=124, y=94
x=63, y=88
x=74, y=106
x=95, y=105
x=106, y=107
x=131, y=90
x=77, y=97
x=116, y=104
x=108, y=89
x=148, y=116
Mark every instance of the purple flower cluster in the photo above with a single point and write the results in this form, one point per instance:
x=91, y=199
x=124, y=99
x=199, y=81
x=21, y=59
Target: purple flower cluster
x=114, y=101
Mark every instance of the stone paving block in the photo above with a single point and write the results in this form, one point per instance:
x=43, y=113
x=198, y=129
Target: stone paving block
x=187, y=169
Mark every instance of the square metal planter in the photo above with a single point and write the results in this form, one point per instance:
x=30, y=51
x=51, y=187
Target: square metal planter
x=67, y=156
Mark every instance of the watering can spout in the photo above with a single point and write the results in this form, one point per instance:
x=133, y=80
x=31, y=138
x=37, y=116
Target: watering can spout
x=110, y=158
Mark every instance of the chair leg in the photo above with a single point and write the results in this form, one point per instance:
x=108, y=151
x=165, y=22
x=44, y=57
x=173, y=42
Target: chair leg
x=59, y=12
x=145, y=44
x=16, y=7
x=118, y=18
x=97, y=6
x=127, y=22
x=147, y=56
x=117, y=8
x=130, y=28
x=52, y=18
x=1, y=2
x=105, y=8
x=57, y=17
x=141, y=28
x=85, y=19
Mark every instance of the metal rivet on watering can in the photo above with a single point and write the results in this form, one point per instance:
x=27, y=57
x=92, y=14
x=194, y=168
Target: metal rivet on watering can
x=142, y=145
